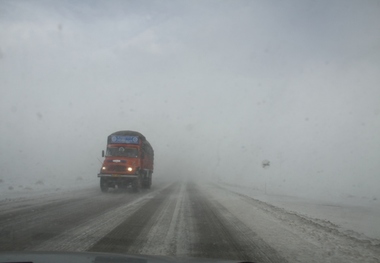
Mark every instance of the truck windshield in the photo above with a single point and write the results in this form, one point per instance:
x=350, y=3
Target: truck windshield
x=122, y=151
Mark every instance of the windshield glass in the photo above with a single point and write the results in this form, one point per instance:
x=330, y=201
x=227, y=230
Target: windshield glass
x=122, y=151
x=248, y=129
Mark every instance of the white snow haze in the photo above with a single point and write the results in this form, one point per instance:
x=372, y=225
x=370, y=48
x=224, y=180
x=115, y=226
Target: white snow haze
x=275, y=95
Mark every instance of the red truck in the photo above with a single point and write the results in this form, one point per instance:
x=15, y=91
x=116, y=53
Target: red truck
x=128, y=162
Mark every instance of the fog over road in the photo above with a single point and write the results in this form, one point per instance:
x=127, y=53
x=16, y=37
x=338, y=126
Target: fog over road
x=180, y=219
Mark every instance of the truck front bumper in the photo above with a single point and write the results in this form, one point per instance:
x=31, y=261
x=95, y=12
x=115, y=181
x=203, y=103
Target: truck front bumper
x=118, y=175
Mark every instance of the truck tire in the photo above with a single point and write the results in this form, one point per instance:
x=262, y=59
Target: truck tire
x=150, y=180
x=148, y=183
x=103, y=185
x=136, y=185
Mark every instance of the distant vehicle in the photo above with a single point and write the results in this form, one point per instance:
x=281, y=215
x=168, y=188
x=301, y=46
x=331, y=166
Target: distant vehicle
x=128, y=162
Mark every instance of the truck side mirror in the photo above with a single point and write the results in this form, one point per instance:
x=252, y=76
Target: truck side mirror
x=103, y=153
x=143, y=155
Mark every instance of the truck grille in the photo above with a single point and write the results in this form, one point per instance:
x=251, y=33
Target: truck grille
x=116, y=168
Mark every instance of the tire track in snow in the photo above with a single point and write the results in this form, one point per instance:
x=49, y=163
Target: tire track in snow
x=29, y=222
x=173, y=230
x=182, y=221
x=132, y=231
x=85, y=235
x=222, y=235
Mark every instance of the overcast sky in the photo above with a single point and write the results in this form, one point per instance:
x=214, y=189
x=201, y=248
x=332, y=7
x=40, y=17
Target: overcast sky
x=215, y=86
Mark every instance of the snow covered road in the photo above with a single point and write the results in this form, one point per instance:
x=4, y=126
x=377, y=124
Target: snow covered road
x=184, y=219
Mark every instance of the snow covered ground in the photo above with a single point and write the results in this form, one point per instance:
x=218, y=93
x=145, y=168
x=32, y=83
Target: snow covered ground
x=190, y=219
x=354, y=216
x=27, y=187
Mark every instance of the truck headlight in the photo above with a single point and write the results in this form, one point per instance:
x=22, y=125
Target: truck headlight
x=103, y=168
x=129, y=169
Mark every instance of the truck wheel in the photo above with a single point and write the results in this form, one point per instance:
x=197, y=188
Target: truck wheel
x=145, y=185
x=136, y=184
x=148, y=183
x=103, y=185
x=150, y=180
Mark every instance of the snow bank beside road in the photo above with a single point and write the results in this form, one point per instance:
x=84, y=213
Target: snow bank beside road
x=14, y=188
x=352, y=216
